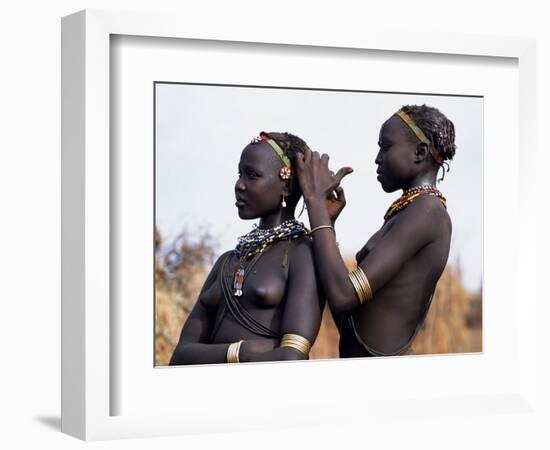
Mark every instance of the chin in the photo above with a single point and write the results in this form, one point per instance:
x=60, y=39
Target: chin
x=244, y=215
x=387, y=188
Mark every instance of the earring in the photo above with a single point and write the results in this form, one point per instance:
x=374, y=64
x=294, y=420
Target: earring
x=283, y=203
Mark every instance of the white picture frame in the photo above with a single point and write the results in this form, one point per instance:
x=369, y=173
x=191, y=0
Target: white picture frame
x=87, y=325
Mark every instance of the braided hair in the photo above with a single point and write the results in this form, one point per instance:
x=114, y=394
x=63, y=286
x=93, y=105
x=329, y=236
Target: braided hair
x=292, y=145
x=437, y=128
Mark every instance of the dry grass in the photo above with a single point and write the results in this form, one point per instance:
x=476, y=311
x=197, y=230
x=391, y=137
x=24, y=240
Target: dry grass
x=453, y=324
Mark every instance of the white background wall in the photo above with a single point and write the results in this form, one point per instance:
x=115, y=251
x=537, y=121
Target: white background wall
x=30, y=236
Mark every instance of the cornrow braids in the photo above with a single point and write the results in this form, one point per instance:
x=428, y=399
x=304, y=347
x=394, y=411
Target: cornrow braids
x=292, y=145
x=436, y=126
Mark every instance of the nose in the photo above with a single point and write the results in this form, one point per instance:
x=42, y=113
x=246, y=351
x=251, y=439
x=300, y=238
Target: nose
x=239, y=185
x=378, y=159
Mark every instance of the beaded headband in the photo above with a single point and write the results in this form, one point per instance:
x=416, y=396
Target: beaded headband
x=420, y=135
x=265, y=137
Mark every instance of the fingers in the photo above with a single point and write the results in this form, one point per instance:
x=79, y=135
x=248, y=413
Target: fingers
x=342, y=173
x=339, y=190
x=307, y=156
x=315, y=157
x=300, y=161
x=324, y=160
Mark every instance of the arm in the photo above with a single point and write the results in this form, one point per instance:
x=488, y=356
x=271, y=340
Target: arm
x=399, y=244
x=193, y=346
x=303, y=308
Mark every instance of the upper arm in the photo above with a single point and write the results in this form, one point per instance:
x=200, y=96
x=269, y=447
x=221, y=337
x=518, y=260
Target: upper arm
x=304, y=306
x=416, y=228
x=199, y=324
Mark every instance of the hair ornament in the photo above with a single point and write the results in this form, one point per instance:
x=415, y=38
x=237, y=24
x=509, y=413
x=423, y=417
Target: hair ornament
x=285, y=173
x=421, y=136
x=276, y=147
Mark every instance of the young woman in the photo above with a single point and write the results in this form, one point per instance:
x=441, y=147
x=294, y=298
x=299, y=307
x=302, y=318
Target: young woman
x=260, y=301
x=380, y=306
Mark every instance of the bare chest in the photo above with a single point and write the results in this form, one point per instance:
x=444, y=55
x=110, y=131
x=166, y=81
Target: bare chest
x=372, y=242
x=261, y=281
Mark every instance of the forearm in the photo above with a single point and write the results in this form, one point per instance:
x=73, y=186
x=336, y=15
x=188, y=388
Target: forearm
x=330, y=266
x=198, y=353
x=277, y=354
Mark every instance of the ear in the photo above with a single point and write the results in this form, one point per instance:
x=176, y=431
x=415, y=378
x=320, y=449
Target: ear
x=421, y=153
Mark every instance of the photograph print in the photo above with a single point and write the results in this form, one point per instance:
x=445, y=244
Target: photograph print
x=295, y=224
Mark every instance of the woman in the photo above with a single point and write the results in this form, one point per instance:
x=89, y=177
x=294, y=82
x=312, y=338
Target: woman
x=380, y=306
x=260, y=302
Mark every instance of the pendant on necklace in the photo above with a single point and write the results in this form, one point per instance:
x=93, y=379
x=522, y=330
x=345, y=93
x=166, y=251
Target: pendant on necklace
x=238, y=282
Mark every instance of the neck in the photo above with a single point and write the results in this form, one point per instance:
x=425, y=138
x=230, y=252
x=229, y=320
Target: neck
x=276, y=218
x=421, y=180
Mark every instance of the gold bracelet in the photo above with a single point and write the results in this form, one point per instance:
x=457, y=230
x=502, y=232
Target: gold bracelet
x=296, y=341
x=361, y=285
x=233, y=352
x=320, y=227
x=357, y=286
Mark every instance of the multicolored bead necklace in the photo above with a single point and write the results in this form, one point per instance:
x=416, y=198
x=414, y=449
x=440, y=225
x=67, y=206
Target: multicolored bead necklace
x=410, y=195
x=257, y=241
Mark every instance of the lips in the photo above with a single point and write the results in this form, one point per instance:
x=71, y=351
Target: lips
x=240, y=202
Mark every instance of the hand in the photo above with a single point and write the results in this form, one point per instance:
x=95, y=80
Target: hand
x=316, y=180
x=252, y=347
x=335, y=203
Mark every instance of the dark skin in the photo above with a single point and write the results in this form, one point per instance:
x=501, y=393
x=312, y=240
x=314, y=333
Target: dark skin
x=282, y=297
x=403, y=260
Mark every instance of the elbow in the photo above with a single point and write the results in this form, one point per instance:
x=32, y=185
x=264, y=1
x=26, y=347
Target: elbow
x=174, y=359
x=341, y=304
x=341, y=296
x=179, y=356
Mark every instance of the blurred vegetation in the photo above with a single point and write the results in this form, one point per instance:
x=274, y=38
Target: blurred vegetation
x=453, y=324
x=181, y=267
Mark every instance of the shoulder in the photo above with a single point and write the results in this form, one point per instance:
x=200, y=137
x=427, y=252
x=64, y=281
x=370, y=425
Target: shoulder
x=427, y=215
x=302, y=245
x=221, y=259
x=427, y=208
x=301, y=251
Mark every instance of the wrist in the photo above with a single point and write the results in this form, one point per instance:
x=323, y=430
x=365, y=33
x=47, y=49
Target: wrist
x=234, y=352
x=244, y=354
x=313, y=201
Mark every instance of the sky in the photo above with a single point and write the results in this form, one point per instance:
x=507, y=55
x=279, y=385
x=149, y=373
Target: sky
x=200, y=132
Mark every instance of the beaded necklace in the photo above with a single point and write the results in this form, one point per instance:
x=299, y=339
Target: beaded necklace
x=253, y=245
x=410, y=195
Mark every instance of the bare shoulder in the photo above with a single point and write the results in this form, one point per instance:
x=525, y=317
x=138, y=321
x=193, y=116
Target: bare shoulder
x=225, y=255
x=302, y=250
x=219, y=262
x=429, y=213
x=222, y=258
x=303, y=244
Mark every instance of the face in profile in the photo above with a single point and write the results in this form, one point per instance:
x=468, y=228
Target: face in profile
x=259, y=188
x=396, y=157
